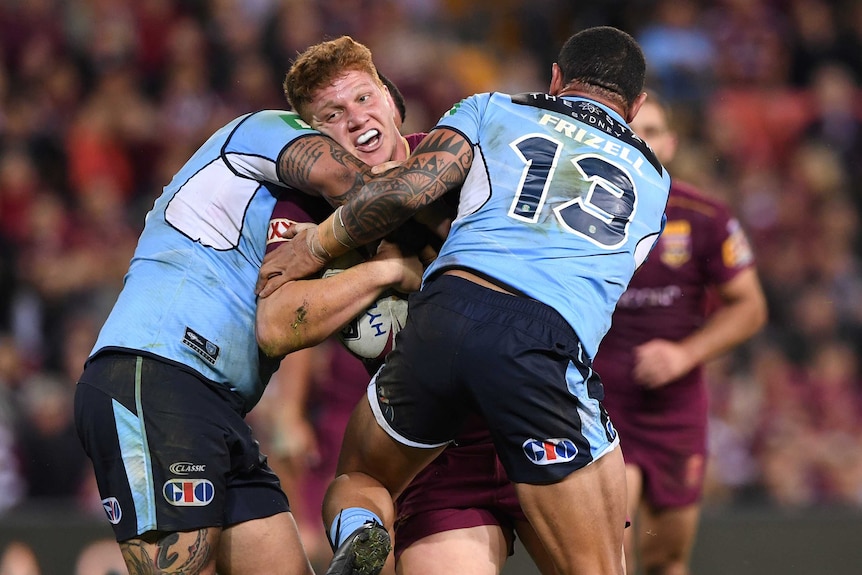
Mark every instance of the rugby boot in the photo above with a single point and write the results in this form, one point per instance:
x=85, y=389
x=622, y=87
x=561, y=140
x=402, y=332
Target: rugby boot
x=363, y=553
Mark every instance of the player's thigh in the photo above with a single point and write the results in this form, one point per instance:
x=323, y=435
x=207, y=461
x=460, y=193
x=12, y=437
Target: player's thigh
x=634, y=489
x=369, y=449
x=534, y=546
x=582, y=517
x=268, y=545
x=673, y=533
x=193, y=552
x=480, y=550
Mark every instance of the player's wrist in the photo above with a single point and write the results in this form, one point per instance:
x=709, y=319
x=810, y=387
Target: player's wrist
x=332, y=238
x=384, y=272
x=316, y=247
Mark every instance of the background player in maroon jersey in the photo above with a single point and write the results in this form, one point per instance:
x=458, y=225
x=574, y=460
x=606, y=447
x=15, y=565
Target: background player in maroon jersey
x=651, y=359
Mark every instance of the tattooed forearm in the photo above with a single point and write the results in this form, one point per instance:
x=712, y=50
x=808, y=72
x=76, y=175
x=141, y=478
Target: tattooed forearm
x=317, y=165
x=438, y=165
x=166, y=555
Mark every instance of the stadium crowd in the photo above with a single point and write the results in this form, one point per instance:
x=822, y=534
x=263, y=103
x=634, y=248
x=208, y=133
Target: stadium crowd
x=100, y=100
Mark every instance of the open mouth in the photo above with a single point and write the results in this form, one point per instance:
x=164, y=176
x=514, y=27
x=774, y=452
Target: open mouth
x=368, y=141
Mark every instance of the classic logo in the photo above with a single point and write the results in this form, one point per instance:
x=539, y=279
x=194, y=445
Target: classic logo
x=550, y=451
x=184, y=468
x=112, y=509
x=188, y=492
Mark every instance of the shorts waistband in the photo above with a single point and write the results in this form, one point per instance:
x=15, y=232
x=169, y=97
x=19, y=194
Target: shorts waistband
x=467, y=289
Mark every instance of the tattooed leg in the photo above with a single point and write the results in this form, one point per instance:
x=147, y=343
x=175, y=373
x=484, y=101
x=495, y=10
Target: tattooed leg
x=186, y=553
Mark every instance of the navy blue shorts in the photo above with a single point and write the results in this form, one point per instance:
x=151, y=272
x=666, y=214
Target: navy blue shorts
x=171, y=451
x=516, y=361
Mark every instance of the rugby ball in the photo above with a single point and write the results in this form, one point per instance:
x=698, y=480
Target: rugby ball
x=371, y=334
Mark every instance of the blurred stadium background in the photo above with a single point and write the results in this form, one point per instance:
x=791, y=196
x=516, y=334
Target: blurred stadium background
x=102, y=100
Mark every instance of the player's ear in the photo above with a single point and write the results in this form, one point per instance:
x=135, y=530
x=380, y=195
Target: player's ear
x=556, y=80
x=636, y=106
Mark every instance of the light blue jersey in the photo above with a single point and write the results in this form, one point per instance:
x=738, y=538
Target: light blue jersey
x=189, y=293
x=562, y=203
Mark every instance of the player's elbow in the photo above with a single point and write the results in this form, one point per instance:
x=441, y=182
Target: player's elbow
x=760, y=314
x=275, y=340
x=269, y=342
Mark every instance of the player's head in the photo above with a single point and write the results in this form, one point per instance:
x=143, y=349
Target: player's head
x=335, y=87
x=397, y=99
x=654, y=125
x=605, y=61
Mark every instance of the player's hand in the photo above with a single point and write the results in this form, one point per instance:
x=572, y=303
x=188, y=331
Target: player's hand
x=295, y=444
x=409, y=267
x=659, y=361
x=290, y=261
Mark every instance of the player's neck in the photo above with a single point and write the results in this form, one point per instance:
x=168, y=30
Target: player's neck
x=581, y=91
x=402, y=151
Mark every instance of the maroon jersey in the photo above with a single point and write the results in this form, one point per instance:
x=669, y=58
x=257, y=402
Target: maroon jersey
x=702, y=247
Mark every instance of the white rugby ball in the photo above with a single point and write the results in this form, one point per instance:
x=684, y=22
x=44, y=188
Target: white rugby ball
x=371, y=334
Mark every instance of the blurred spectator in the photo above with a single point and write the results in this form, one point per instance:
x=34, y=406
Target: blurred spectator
x=751, y=39
x=815, y=38
x=18, y=558
x=53, y=463
x=12, y=484
x=681, y=57
x=836, y=122
x=101, y=557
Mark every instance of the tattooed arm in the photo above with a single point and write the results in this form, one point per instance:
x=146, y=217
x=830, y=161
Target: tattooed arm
x=316, y=164
x=438, y=165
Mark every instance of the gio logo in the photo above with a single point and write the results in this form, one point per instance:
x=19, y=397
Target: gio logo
x=188, y=492
x=550, y=451
x=112, y=509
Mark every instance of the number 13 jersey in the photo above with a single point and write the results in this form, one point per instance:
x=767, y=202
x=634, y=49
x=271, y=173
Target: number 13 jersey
x=563, y=202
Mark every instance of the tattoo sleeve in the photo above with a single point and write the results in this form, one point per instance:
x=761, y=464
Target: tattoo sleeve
x=317, y=165
x=438, y=165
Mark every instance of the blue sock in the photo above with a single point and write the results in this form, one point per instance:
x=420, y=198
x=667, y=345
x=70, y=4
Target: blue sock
x=348, y=521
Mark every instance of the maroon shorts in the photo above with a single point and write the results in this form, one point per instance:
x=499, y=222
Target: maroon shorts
x=464, y=487
x=670, y=453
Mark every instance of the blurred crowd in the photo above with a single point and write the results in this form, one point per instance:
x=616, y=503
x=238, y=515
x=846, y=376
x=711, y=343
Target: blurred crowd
x=102, y=100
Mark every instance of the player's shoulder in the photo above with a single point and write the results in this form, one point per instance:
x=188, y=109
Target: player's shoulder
x=689, y=199
x=284, y=122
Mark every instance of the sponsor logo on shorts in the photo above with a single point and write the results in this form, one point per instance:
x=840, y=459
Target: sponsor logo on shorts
x=112, y=509
x=184, y=468
x=550, y=451
x=189, y=492
x=201, y=345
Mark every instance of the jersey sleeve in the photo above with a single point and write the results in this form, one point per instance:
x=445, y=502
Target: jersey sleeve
x=253, y=149
x=466, y=116
x=730, y=250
